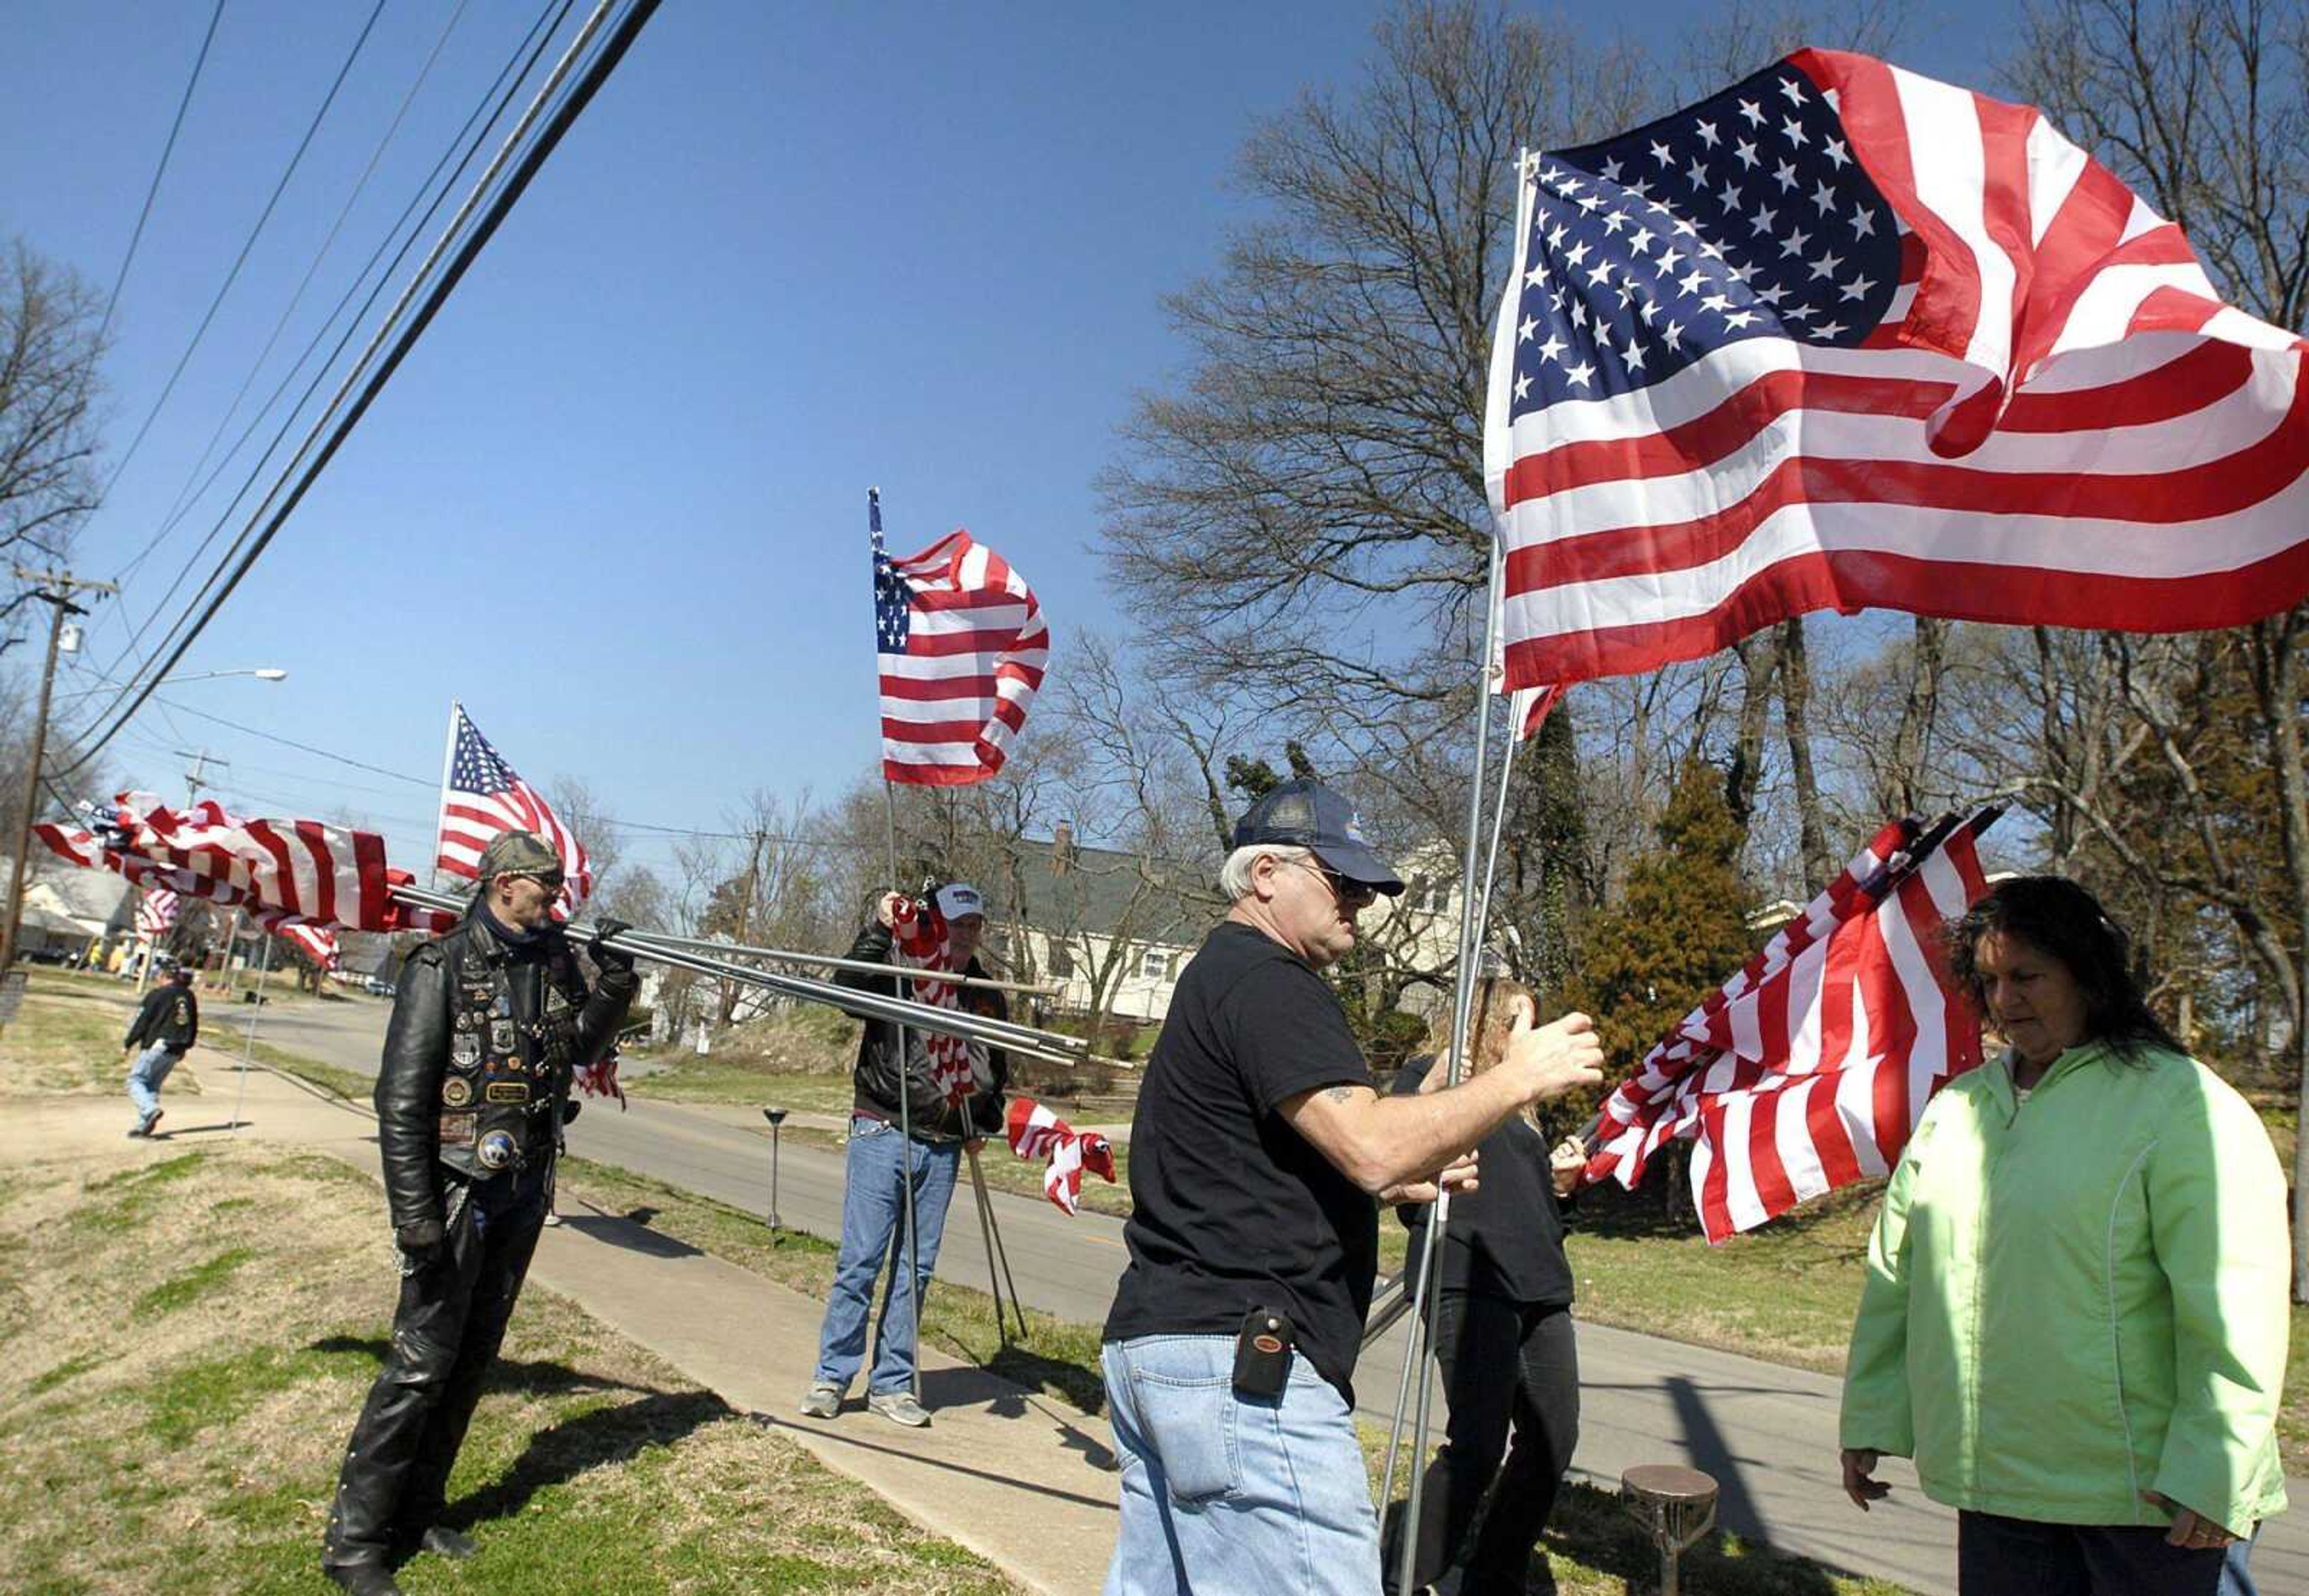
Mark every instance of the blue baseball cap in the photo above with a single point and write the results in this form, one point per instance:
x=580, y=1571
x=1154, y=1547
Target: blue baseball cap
x=1302, y=813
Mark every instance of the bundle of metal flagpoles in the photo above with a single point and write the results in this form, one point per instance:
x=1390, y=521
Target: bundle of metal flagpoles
x=682, y=953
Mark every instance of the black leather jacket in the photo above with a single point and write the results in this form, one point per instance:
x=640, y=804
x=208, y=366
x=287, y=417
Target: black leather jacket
x=417, y=1045
x=878, y=1072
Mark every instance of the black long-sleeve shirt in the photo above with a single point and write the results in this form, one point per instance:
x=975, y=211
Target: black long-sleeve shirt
x=170, y=1018
x=1505, y=1238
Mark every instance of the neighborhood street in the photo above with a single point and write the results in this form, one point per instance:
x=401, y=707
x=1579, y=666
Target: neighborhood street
x=1766, y=1432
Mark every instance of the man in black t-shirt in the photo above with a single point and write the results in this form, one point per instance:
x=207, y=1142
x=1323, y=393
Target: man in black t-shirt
x=1256, y=1154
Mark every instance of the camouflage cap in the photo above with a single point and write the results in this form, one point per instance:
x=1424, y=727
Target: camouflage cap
x=519, y=854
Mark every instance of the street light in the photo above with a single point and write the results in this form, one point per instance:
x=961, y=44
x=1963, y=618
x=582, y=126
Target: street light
x=262, y=673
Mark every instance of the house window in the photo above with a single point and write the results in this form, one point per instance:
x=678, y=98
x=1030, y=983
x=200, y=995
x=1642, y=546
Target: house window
x=1153, y=966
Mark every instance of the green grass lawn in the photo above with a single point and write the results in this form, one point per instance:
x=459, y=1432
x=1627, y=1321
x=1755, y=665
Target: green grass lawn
x=66, y=1036
x=184, y=1343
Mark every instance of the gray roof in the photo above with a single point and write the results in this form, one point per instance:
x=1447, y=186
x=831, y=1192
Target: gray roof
x=1104, y=891
x=95, y=899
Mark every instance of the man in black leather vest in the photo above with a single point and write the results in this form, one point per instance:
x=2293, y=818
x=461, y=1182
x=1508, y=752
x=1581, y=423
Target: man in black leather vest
x=490, y=1023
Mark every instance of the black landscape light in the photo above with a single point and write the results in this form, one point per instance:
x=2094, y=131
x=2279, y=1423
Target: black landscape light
x=776, y=1116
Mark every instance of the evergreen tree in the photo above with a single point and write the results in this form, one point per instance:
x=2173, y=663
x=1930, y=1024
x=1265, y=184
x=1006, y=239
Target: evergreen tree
x=1679, y=929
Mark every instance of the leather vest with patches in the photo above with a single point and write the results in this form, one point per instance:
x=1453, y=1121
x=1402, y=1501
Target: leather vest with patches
x=513, y=1045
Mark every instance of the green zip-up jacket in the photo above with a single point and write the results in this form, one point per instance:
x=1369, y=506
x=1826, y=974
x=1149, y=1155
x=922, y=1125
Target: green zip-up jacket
x=2081, y=1297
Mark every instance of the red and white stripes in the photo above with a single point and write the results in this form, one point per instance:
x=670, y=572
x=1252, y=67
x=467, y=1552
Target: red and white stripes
x=1809, y=1069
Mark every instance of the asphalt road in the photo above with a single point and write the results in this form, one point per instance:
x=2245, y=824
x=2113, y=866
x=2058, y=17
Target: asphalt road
x=1766, y=1432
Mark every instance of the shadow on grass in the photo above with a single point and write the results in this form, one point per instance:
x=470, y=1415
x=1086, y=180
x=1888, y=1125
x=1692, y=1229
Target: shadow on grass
x=530, y=1377
x=631, y=1231
x=601, y=1438
x=1036, y=1372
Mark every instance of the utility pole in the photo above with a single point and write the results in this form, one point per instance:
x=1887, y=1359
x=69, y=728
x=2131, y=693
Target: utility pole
x=54, y=589
x=198, y=776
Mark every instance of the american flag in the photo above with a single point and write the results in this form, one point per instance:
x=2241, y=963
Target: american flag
x=157, y=913
x=482, y=796
x=961, y=644
x=1844, y=336
x=323, y=873
x=1808, y=1069
x=317, y=941
x=918, y=939
x=1035, y=1132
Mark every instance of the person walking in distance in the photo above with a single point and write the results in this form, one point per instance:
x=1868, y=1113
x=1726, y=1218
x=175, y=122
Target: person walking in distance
x=166, y=1026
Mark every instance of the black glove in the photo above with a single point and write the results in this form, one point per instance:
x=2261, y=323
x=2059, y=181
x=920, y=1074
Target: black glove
x=610, y=959
x=421, y=1239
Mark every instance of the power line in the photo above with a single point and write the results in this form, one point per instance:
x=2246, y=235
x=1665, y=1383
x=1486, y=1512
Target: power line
x=242, y=259
x=509, y=78
x=160, y=171
x=184, y=496
x=261, y=528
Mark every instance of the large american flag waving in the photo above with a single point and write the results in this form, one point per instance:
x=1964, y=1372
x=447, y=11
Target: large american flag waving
x=1844, y=336
x=960, y=642
x=1808, y=1069
x=482, y=796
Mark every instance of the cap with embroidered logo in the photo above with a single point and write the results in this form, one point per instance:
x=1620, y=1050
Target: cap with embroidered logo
x=1305, y=813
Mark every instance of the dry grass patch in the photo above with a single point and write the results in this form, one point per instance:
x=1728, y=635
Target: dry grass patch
x=185, y=1340
x=65, y=1038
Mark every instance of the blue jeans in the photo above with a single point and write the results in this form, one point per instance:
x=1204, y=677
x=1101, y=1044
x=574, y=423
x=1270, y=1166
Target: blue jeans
x=2236, y=1571
x=1223, y=1493
x=144, y=1078
x=873, y=1207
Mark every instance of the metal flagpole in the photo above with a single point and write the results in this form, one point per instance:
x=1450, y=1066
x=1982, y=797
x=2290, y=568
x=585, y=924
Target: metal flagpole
x=441, y=799
x=905, y=1111
x=1477, y=890
x=263, y=971
x=1475, y=895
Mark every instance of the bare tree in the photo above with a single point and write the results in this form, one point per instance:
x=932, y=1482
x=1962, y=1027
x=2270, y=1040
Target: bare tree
x=2203, y=107
x=49, y=322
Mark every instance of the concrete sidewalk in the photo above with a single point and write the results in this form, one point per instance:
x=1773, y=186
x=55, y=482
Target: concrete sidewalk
x=1022, y=1480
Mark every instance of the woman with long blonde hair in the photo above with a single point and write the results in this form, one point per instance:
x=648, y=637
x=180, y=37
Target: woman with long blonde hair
x=1502, y=1327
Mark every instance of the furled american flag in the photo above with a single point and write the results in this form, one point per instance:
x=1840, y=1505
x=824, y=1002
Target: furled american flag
x=482, y=796
x=961, y=644
x=1035, y=1132
x=918, y=939
x=316, y=940
x=157, y=913
x=1808, y=1069
x=1843, y=337
x=323, y=873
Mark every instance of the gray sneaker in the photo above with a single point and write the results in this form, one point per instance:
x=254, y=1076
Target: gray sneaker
x=824, y=1401
x=899, y=1407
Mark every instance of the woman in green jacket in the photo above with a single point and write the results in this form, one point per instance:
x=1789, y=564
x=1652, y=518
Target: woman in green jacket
x=2075, y=1316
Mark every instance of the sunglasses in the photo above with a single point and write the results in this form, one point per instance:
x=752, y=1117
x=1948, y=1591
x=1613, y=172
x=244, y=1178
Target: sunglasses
x=1351, y=894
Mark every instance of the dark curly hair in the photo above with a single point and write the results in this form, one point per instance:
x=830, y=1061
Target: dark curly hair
x=2063, y=921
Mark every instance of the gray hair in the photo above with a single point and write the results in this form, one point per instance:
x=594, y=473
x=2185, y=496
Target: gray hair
x=1234, y=875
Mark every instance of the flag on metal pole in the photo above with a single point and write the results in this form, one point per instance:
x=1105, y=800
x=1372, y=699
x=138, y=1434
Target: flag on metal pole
x=321, y=873
x=481, y=796
x=1035, y=1132
x=961, y=644
x=157, y=913
x=1843, y=337
x=1808, y=1069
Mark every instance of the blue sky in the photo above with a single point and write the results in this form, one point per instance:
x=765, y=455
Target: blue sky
x=614, y=500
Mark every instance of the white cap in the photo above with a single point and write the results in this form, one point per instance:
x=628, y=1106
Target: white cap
x=958, y=898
